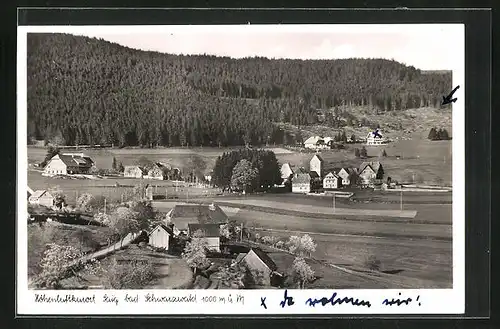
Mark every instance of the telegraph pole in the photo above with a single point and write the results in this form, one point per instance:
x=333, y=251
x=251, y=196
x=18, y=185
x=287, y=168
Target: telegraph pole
x=401, y=199
x=333, y=202
x=104, y=205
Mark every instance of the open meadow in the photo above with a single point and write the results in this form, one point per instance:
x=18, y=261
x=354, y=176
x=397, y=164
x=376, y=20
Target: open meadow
x=113, y=188
x=426, y=161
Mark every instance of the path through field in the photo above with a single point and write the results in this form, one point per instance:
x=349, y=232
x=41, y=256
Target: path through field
x=326, y=210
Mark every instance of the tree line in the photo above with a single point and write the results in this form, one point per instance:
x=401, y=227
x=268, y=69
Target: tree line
x=438, y=134
x=87, y=91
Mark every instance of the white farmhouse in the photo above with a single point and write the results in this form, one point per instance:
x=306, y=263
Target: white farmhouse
x=69, y=163
x=332, y=181
x=375, y=138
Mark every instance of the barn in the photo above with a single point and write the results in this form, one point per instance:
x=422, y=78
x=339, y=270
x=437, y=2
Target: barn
x=68, y=164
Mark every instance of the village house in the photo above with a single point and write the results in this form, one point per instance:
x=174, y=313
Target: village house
x=286, y=172
x=134, y=172
x=161, y=237
x=348, y=175
x=257, y=261
x=332, y=181
x=317, y=143
x=184, y=214
x=41, y=198
x=157, y=171
x=301, y=183
x=375, y=138
x=316, y=164
x=370, y=173
x=211, y=234
x=69, y=164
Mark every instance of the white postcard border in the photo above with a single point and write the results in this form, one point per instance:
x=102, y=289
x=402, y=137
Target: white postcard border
x=432, y=301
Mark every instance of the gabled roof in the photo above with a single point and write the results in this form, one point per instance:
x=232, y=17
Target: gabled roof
x=375, y=165
x=264, y=257
x=332, y=174
x=301, y=178
x=209, y=230
x=317, y=156
x=134, y=167
x=182, y=215
x=75, y=159
x=167, y=229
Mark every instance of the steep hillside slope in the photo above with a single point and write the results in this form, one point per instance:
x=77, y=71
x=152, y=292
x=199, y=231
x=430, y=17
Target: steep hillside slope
x=89, y=91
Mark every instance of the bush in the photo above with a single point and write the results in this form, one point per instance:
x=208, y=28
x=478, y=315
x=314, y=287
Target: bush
x=131, y=275
x=373, y=263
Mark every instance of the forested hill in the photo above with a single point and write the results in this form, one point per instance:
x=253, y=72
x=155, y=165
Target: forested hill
x=89, y=91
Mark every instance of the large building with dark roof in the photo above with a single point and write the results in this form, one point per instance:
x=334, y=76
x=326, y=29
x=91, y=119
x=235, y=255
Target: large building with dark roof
x=68, y=164
x=184, y=214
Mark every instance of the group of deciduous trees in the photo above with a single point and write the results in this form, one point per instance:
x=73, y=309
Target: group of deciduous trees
x=89, y=91
x=246, y=170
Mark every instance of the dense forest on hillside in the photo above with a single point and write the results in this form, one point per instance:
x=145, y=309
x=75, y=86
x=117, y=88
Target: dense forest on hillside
x=89, y=91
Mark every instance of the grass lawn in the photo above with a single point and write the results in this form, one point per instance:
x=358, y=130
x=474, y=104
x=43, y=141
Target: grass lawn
x=111, y=188
x=170, y=272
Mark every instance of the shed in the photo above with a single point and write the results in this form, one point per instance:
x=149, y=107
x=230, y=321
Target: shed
x=160, y=236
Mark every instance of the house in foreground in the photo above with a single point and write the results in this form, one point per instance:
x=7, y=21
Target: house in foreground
x=161, y=236
x=211, y=234
x=41, y=198
x=69, y=164
x=263, y=268
x=184, y=214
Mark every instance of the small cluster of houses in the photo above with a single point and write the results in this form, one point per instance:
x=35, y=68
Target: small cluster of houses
x=318, y=143
x=157, y=171
x=82, y=164
x=317, y=178
x=186, y=219
x=373, y=138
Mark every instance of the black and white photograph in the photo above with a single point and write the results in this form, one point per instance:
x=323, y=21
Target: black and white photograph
x=242, y=157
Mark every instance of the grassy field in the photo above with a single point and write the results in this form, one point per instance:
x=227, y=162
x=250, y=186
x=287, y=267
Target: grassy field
x=403, y=263
x=111, y=188
x=169, y=272
x=429, y=161
x=177, y=157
